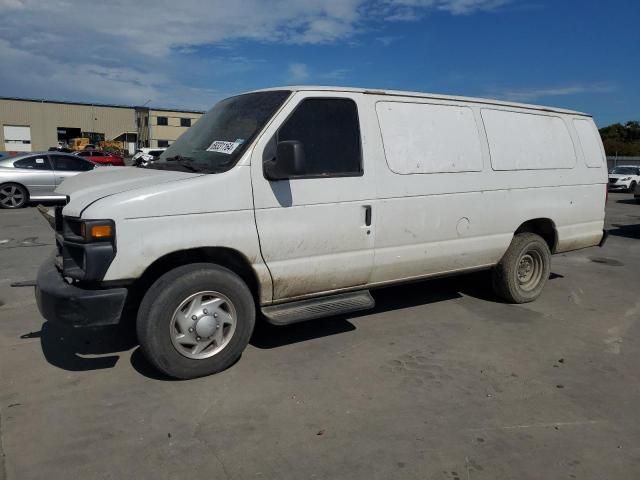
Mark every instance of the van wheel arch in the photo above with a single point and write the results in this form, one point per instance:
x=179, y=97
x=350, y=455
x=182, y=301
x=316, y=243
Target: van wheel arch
x=544, y=227
x=222, y=256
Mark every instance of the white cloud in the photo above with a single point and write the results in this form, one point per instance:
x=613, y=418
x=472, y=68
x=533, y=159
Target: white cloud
x=298, y=72
x=95, y=82
x=127, y=51
x=12, y=4
x=408, y=9
x=154, y=27
x=531, y=94
x=301, y=73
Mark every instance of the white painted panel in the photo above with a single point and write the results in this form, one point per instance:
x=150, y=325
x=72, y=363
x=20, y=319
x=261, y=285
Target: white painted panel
x=429, y=239
x=17, y=133
x=427, y=138
x=313, y=233
x=525, y=141
x=17, y=138
x=590, y=142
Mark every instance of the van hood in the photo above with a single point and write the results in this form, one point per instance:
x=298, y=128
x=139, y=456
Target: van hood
x=86, y=188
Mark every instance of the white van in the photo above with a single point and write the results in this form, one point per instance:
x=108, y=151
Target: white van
x=296, y=201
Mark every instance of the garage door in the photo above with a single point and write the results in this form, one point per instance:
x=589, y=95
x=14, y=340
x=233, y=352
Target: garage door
x=17, y=138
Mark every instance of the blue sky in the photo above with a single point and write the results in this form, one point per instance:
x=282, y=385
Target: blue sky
x=576, y=54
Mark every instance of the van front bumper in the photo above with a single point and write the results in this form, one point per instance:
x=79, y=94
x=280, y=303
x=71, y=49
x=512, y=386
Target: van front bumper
x=62, y=303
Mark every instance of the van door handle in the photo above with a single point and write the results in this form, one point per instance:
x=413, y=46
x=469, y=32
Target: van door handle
x=367, y=215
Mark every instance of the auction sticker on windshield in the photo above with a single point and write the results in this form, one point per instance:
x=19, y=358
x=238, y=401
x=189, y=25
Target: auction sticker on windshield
x=223, y=147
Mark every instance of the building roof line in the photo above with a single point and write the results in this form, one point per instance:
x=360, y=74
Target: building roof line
x=97, y=104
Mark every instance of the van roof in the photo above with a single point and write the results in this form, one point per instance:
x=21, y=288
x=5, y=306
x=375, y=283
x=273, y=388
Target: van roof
x=399, y=93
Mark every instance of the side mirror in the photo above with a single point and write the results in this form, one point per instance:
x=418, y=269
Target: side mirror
x=289, y=161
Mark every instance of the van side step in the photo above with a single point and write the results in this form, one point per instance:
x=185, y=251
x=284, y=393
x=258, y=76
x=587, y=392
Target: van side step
x=312, y=308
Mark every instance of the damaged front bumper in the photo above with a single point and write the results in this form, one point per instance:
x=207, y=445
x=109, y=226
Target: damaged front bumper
x=63, y=303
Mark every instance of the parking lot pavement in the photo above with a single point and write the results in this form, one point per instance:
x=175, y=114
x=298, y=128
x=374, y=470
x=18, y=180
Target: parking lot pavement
x=440, y=381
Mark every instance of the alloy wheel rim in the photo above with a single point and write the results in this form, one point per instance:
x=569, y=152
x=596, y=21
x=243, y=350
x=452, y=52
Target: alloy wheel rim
x=203, y=324
x=11, y=196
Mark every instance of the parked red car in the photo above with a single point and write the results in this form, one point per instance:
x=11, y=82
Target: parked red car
x=103, y=158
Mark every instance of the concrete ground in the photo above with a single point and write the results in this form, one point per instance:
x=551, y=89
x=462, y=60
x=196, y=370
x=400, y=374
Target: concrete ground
x=440, y=381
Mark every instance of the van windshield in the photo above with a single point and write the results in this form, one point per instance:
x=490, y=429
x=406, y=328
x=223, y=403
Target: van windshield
x=217, y=140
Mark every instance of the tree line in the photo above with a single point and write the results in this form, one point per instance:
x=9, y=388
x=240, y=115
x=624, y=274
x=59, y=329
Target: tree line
x=622, y=140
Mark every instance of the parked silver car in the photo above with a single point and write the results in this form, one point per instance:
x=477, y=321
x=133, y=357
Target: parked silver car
x=34, y=176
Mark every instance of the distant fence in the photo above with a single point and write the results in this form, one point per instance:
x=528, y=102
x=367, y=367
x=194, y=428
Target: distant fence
x=615, y=161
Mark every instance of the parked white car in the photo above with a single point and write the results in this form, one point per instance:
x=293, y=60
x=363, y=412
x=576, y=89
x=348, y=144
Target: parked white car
x=298, y=201
x=624, y=178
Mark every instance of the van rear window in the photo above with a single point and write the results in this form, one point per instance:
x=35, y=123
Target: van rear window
x=428, y=138
x=526, y=141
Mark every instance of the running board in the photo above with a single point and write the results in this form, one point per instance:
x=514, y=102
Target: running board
x=310, y=309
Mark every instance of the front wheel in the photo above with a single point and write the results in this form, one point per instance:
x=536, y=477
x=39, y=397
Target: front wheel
x=195, y=320
x=524, y=269
x=632, y=187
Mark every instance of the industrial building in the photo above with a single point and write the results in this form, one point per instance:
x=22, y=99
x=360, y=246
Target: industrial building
x=33, y=125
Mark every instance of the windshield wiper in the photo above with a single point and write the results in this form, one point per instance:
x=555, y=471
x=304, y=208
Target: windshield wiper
x=178, y=162
x=179, y=158
x=185, y=162
x=185, y=167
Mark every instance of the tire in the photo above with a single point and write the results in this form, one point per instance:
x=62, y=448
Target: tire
x=13, y=195
x=632, y=187
x=164, y=320
x=524, y=269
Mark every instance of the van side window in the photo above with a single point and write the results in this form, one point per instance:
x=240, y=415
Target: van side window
x=427, y=138
x=329, y=131
x=527, y=141
x=590, y=143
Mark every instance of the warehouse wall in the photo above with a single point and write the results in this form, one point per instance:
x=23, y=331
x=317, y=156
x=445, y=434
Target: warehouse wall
x=172, y=130
x=45, y=118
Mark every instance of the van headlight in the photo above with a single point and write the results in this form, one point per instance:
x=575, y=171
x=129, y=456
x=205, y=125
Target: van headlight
x=87, y=231
x=86, y=248
x=97, y=230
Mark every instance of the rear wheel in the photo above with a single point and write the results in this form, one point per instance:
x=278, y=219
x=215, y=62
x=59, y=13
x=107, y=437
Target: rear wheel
x=524, y=269
x=195, y=320
x=13, y=195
